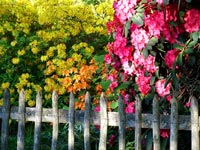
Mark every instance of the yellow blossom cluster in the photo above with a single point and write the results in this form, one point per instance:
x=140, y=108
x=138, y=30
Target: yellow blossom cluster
x=50, y=45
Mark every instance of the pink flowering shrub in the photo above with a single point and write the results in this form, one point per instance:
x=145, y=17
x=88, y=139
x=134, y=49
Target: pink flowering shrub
x=154, y=50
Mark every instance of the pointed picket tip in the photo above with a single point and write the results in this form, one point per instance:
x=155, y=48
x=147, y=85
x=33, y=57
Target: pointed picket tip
x=102, y=95
x=39, y=95
x=6, y=93
x=87, y=96
x=71, y=95
x=22, y=92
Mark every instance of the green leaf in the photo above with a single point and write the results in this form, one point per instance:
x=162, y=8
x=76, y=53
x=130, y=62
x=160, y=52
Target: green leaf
x=192, y=43
x=195, y=36
x=188, y=50
x=99, y=58
x=166, y=2
x=181, y=16
x=137, y=20
x=180, y=59
x=153, y=41
x=167, y=80
x=149, y=141
x=65, y=108
x=145, y=53
x=192, y=60
x=114, y=105
x=152, y=81
x=127, y=27
x=105, y=84
x=123, y=86
x=164, y=144
x=189, y=1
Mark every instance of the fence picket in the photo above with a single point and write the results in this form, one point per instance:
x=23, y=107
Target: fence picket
x=38, y=120
x=5, y=120
x=71, y=123
x=87, y=122
x=194, y=123
x=21, y=121
x=174, y=125
x=138, y=120
x=103, y=123
x=122, y=124
x=55, y=121
x=156, y=124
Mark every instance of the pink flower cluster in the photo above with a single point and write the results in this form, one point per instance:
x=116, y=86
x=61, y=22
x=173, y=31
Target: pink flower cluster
x=161, y=89
x=155, y=23
x=144, y=84
x=125, y=9
x=115, y=25
x=139, y=38
x=192, y=21
x=170, y=57
x=130, y=108
x=113, y=79
x=126, y=52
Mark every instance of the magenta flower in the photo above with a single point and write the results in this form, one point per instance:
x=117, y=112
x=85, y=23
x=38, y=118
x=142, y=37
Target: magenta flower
x=149, y=64
x=164, y=133
x=161, y=89
x=97, y=109
x=125, y=9
x=130, y=107
x=188, y=104
x=170, y=57
x=107, y=59
x=111, y=140
x=161, y=2
x=143, y=83
x=139, y=38
x=192, y=22
x=155, y=23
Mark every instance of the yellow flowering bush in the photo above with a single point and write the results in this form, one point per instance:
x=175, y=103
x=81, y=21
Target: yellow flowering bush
x=51, y=46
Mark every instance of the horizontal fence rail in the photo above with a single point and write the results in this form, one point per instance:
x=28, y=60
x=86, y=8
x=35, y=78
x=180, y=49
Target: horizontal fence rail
x=155, y=121
x=113, y=120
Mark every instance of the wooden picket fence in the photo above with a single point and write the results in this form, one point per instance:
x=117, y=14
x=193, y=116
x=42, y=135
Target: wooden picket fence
x=155, y=121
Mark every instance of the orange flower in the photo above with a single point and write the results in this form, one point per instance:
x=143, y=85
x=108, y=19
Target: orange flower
x=108, y=91
x=81, y=97
x=98, y=88
x=49, y=63
x=96, y=101
x=77, y=77
x=73, y=70
x=66, y=73
x=80, y=105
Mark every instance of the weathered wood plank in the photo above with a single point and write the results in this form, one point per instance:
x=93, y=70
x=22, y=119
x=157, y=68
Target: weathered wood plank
x=47, y=116
x=174, y=125
x=194, y=123
x=156, y=124
x=122, y=125
x=5, y=120
x=71, y=123
x=103, y=123
x=138, y=123
x=87, y=122
x=21, y=121
x=38, y=120
x=55, y=121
